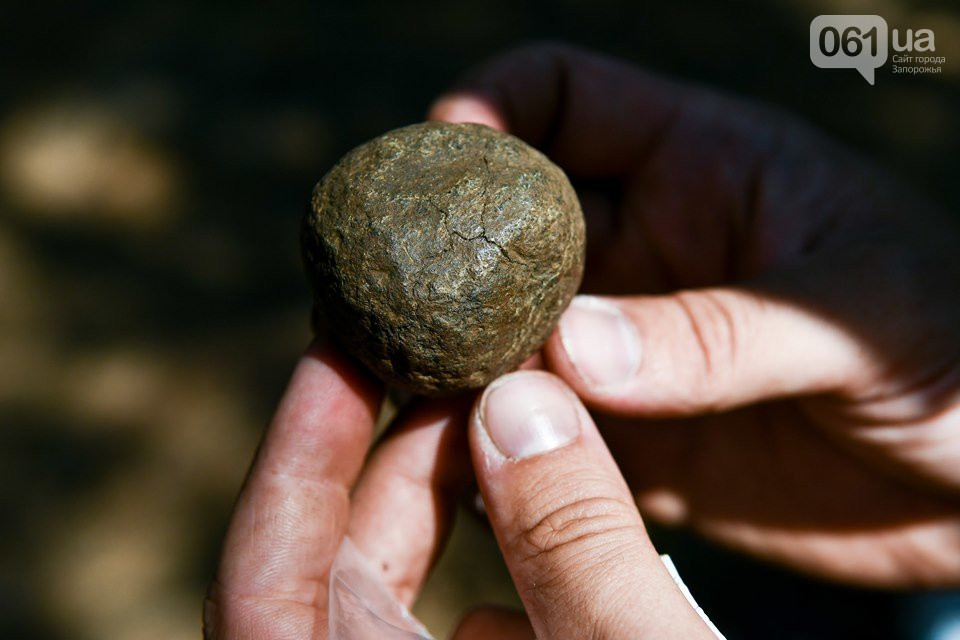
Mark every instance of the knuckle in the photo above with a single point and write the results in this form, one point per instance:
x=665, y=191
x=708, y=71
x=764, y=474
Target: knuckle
x=718, y=324
x=576, y=533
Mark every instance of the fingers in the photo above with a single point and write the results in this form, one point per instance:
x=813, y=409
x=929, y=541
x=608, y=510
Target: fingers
x=698, y=351
x=494, y=622
x=292, y=511
x=595, y=116
x=404, y=502
x=712, y=190
x=565, y=520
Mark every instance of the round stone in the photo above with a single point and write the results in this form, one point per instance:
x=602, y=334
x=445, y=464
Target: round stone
x=442, y=255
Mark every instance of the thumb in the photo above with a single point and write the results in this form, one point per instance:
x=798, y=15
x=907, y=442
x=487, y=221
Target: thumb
x=565, y=520
x=699, y=351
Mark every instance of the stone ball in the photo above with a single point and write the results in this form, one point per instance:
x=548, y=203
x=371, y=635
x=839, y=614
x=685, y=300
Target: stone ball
x=442, y=255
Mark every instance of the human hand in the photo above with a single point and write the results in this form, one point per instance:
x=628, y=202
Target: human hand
x=572, y=537
x=309, y=486
x=792, y=312
x=566, y=523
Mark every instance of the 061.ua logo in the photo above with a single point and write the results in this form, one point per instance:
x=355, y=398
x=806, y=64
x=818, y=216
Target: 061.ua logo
x=861, y=43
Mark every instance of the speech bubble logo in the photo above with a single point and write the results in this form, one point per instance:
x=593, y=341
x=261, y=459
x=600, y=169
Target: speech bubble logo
x=849, y=42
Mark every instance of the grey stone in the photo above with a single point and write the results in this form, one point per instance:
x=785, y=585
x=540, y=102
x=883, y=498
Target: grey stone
x=442, y=255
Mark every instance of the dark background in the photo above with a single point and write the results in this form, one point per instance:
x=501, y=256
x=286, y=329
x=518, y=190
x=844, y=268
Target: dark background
x=155, y=158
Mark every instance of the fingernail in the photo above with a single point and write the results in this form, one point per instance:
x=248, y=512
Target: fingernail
x=600, y=341
x=528, y=413
x=467, y=108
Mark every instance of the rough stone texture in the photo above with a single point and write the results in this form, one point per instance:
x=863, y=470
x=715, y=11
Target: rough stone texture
x=443, y=254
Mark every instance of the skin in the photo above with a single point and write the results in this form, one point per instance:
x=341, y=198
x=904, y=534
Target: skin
x=795, y=396
x=309, y=486
x=794, y=307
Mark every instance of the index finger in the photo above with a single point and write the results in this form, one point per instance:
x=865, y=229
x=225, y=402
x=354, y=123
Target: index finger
x=293, y=509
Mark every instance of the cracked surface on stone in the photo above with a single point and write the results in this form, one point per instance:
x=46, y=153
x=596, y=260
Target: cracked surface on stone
x=442, y=255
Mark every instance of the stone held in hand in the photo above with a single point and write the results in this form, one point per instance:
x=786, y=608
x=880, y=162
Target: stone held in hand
x=442, y=255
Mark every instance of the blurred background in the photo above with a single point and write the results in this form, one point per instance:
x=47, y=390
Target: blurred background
x=155, y=159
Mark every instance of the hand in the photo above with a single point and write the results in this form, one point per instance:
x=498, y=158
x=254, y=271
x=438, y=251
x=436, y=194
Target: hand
x=302, y=495
x=571, y=535
x=791, y=311
x=566, y=523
